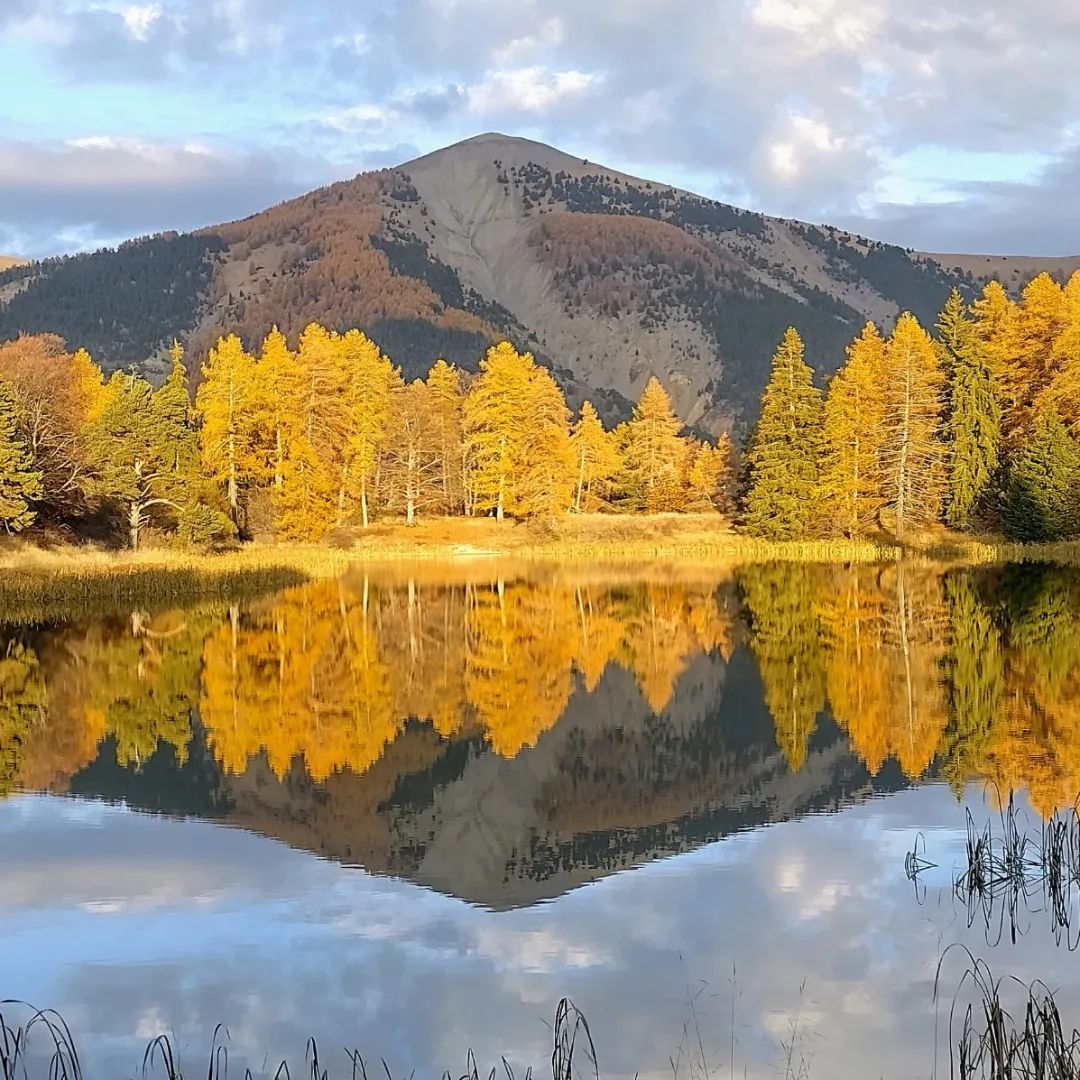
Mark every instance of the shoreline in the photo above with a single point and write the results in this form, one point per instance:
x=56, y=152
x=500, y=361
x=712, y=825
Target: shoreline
x=35, y=575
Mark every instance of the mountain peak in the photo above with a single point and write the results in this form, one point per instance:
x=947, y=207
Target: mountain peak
x=508, y=150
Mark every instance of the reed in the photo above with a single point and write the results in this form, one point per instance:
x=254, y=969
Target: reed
x=573, y=1055
x=986, y=1040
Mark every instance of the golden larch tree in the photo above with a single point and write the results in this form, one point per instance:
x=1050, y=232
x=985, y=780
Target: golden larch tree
x=913, y=451
x=852, y=481
x=652, y=451
x=596, y=455
x=224, y=401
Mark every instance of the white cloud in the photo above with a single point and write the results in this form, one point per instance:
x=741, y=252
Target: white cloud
x=526, y=89
x=139, y=18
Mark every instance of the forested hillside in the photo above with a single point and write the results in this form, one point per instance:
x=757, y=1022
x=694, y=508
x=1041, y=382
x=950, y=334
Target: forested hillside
x=608, y=280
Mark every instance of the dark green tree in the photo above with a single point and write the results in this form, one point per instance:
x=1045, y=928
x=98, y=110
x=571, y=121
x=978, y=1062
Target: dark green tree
x=132, y=448
x=1041, y=501
x=20, y=484
x=784, y=457
x=974, y=423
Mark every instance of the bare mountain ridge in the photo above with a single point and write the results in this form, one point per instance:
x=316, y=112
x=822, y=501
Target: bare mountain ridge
x=608, y=278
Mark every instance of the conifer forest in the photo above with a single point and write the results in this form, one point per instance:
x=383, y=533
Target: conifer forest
x=970, y=424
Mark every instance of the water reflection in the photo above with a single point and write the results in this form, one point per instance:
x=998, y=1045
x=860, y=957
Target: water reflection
x=503, y=736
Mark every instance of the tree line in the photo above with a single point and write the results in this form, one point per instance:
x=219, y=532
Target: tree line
x=974, y=427
x=296, y=442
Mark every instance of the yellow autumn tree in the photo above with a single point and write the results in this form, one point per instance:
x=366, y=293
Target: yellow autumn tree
x=224, y=401
x=447, y=390
x=516, y=438
x=1029, y=337
x=316, y=435
x=652, y=452
x=1061, y=394
x=852, y=480
x=708, y=475
x=369, y=381
x=597, y=459
x=274, y=399
x=912, y=446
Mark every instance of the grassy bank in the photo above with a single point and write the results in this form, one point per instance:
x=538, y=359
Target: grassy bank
x=75, y=574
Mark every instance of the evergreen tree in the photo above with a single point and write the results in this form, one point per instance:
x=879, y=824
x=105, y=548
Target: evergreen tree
x=172, y=409
x=131, y=448
x=20, y=484
x=1042, y=492
x=974, y=424
x=652, y=452
x=597, y=459
x=785, y=452
x=852, y=481
x=912, y=447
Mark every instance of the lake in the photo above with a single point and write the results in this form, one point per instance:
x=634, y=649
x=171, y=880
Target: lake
x=725, y=811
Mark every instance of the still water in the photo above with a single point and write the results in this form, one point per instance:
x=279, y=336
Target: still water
x=409, y=810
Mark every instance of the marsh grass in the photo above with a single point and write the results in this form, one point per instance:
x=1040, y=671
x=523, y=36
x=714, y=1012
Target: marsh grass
x=573, y=1055
x=988, y=1041
x=1019, y=869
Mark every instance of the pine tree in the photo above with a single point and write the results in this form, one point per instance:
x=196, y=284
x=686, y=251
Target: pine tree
x=20, y=485
x=130, y=448
x=597, y=459
x=974, y=425
x=1042, y=492
x=852, y=481
x=172, y=408
x=785, y=451
x=652, y=452
x=912, y=446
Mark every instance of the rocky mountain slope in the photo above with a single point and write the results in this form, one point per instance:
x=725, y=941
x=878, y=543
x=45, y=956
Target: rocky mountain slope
x=607, y=278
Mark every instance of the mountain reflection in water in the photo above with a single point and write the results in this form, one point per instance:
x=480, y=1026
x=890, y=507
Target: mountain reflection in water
x=504, y=736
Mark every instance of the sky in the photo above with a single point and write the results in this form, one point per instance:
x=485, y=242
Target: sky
x=939, y=127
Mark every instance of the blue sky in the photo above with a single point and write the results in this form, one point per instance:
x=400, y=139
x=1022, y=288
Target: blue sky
x=936, y=129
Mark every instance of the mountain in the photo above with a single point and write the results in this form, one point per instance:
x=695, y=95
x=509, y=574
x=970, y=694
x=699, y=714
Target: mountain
x=606, y=277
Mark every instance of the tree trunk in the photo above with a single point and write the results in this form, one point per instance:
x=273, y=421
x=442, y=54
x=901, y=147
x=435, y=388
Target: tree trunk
x=234, y=493
x=902, y=461
x=580, y=483
x=363, y=498
x=410, y=489
x=135, y=524
x=341, y=494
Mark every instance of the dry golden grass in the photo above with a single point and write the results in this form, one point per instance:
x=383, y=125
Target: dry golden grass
x=68, y=574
